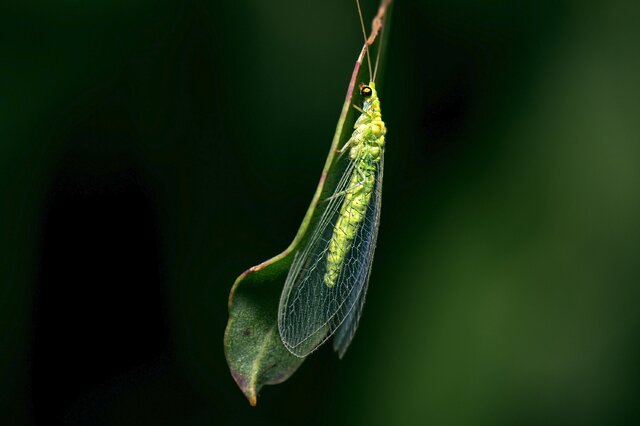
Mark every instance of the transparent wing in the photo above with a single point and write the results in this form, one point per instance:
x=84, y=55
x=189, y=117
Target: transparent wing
x=309, y=311
x=346, y=331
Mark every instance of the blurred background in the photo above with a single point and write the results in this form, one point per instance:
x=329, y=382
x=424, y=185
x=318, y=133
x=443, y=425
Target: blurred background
x=151, y=151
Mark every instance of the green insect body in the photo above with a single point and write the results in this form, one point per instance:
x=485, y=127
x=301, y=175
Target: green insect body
x=367, y=144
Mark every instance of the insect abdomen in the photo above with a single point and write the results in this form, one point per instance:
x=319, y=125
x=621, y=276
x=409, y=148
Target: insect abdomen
x=351, y=215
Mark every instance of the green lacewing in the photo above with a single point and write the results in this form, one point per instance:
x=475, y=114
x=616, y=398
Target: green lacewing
x=325, y=289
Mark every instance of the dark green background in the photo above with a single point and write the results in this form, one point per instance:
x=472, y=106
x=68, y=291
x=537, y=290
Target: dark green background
x=152, y=151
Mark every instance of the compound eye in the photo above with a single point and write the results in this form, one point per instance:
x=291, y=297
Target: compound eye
x=366, y=91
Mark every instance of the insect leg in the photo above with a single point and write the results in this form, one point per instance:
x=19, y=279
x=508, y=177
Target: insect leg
x=338, y=194
x=361, y=111
x=356, y=186
x=344, y=147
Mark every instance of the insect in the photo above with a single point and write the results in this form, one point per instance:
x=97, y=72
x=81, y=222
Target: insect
x=325, y=289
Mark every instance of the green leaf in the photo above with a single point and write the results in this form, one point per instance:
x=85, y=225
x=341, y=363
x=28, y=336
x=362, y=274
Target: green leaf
x=254, y=351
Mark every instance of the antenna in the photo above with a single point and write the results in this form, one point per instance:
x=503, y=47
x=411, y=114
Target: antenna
x=375, y=70
x=366, y=42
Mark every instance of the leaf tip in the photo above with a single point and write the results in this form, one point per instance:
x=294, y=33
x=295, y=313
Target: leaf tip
x=246, y=387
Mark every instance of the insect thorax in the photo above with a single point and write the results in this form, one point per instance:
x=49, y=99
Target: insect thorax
x=368, y=136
